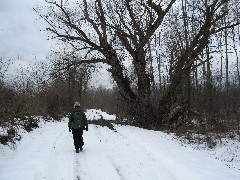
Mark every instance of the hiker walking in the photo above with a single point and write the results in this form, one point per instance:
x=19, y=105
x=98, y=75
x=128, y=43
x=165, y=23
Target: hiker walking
x=77, y=123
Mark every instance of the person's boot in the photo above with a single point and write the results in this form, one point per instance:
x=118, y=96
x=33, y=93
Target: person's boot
x=77, y=150
x=81, y=148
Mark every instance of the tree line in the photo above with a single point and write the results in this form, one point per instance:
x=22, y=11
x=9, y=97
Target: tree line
x=170, y=61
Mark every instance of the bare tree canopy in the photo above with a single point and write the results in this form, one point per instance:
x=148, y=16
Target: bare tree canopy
x=123, y=33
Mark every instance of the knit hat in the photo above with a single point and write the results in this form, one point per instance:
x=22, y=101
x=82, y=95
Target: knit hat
x=76, y=104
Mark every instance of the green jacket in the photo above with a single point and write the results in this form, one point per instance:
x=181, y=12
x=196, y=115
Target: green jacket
x=71, y=120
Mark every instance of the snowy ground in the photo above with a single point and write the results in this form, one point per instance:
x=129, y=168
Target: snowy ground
x=131, y=153
x=95, y=114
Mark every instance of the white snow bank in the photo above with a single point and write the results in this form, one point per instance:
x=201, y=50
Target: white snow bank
x=228, y=152
x=96, y=114
x=3, y=132
x=32, y=157
x=130, y=153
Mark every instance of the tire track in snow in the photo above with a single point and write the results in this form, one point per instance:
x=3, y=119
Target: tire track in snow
x=125, y=144
x=117, y=168
x=81, y=165
x=141, y=144
x=163, y=153
x=61, y=162
x=52, y=154
x=76, y=167
x=93, y=162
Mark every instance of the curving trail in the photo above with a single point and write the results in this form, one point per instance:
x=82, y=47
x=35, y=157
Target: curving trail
x=130, y=153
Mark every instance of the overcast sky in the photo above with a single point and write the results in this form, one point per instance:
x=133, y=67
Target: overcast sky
x=20, y=36
x=20, y=33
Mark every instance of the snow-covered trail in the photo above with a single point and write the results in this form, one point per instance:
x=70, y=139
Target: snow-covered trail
x=130, y=153
x=42, y=154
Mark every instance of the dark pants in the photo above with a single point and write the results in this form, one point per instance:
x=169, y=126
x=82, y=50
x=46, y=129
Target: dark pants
x=77, y=137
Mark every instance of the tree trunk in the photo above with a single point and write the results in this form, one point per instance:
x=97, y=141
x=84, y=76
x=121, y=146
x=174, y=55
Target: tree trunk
x=209, y=87
x=227, y=74
x=168, y=103
x=116, y=35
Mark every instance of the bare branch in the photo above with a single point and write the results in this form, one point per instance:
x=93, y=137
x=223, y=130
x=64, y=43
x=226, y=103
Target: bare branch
x=45, y=18
x=90, y=20
x=214, y=31
x=80, y=62
x=152, y=28
x=136, y=27
x=102, y=19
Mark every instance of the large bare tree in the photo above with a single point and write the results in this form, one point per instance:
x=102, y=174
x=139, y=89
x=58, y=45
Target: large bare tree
x=119, y=32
